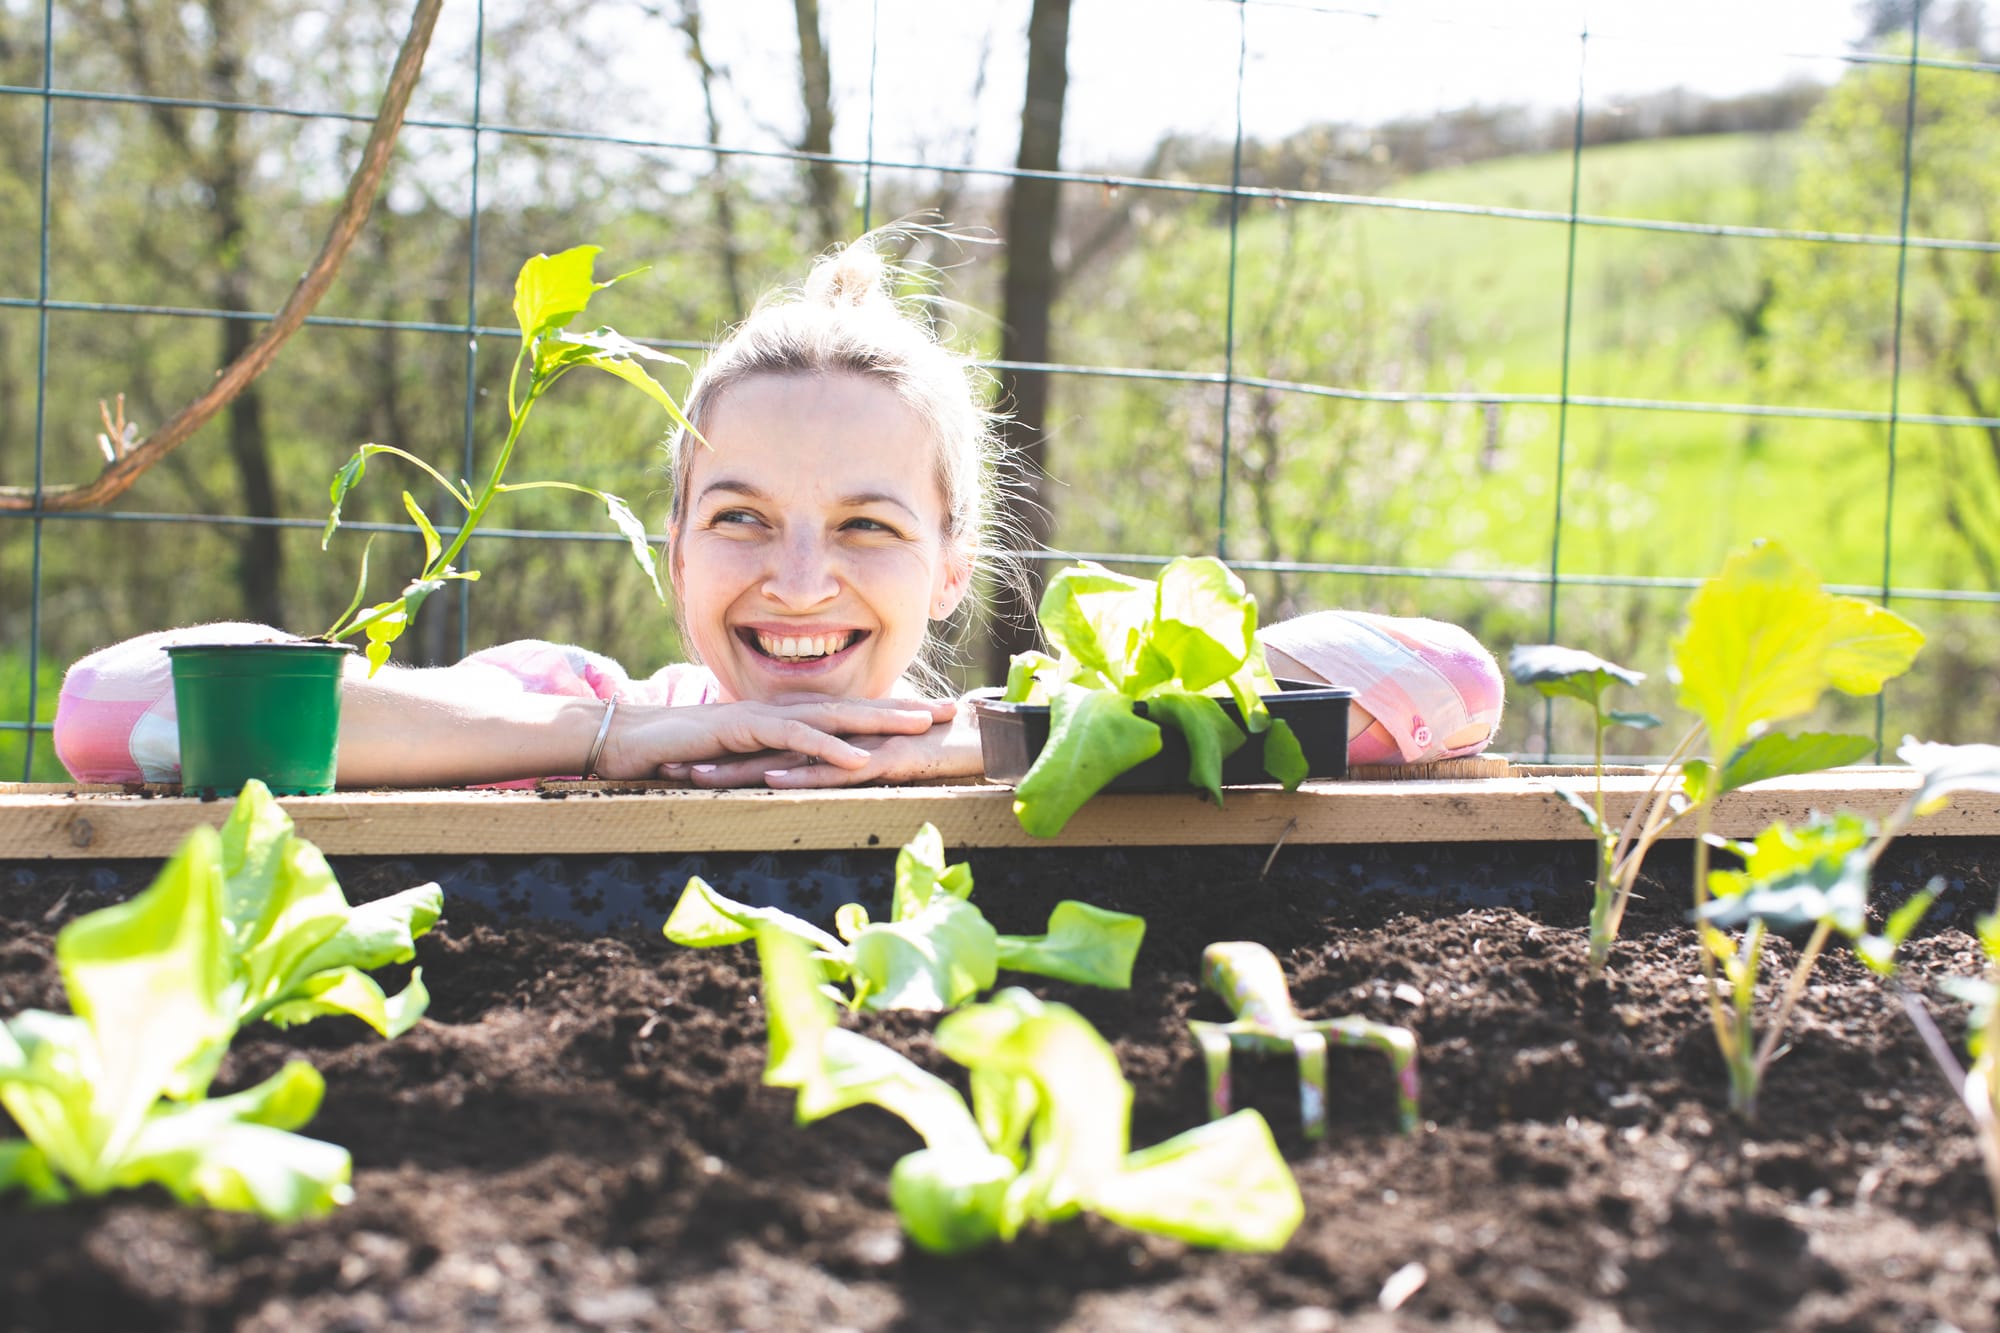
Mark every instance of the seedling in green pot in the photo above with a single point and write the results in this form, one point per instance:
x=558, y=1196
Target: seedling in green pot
x=1818, y=875
x=550, y=293
x=1560, y=672
x=1048, y=1131
x=1250, y=981
x=1176, y=645
x=937, y=950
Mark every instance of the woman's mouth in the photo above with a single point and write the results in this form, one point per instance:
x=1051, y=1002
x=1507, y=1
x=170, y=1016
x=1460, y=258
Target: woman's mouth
x=799, y=648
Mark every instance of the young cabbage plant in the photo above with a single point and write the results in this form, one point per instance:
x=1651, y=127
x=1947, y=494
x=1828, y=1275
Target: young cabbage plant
x=1048, y=1131
x=152, y=992
x=1945, y=769
x=1979, y=1084
x=1175, y=645
x=1763, y=642
x=550, y=293
x=1559, y=672
x=1815, y=875
x=937, y=950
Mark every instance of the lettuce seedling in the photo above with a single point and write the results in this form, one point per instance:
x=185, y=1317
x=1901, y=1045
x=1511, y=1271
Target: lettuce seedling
x=1818, y=875
x=550, y=293
x=937, y=950
x=1175, y=645
x=1559, y=672
x=151, y=986
x=1048, y=1132
x=1762, y=643
x=293, y=949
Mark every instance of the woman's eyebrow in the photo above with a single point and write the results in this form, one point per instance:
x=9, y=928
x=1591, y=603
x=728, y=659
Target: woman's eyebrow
x=861, y=498
x=734, y=487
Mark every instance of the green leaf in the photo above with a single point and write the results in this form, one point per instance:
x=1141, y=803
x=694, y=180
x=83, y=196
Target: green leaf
x=1698, y=780
x=1879, y=951
x=295, y=947
x=552, y=290
x=1211, y=736
x=1205, y=622
x=1585, y=804
x=238, y=1153
x=1092, y=946
x=934, y=960
x=1088, y=613
x=1763, y=642
x=703, y=919
x=1082, y=1121
x=635, y=375
x=951, y=1202
x=1868, y=645
x=1284, y=757
x=433, y=547
x=151, y=982
x=833, y=1069
x=344, y=481
x=1636, y=721
x=1093, y=737
x=1560, y=672
x=1774, y=755
x=1029, y=677
x=919, y=866
x=1223, y=1184
x=1817, y=872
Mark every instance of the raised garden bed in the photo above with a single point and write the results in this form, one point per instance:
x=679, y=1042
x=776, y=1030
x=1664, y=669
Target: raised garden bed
x=577, y=1135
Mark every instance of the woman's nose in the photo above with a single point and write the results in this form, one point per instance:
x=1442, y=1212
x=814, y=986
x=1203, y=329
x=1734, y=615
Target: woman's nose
x=801, y=574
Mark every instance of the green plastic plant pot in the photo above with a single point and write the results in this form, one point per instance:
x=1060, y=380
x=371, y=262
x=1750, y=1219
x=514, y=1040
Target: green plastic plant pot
x=269, y=711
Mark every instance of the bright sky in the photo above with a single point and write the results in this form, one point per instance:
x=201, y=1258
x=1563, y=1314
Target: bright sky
x=1142, y=68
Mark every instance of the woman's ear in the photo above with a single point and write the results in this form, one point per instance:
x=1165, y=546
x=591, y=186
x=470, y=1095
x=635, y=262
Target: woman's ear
x=954, y=584
x=670, y=556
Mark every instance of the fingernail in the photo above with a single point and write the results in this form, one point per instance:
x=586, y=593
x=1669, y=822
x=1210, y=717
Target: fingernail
x=770, y=773
x=704, y=768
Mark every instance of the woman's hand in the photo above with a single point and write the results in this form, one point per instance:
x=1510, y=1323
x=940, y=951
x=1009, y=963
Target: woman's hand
x=843, y=736
x=949, y=749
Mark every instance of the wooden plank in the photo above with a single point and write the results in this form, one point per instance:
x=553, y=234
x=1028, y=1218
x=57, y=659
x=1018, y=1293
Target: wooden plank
x=580, y=819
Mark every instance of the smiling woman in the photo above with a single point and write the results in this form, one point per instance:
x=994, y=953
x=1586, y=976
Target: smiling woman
x=830, y=509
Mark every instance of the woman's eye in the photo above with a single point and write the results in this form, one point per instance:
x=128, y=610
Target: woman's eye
x=868, y=525
x=732, y=516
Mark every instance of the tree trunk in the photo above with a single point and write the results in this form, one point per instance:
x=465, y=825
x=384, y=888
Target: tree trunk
x=1033, y=208
x=259, y=552
x=816, y=87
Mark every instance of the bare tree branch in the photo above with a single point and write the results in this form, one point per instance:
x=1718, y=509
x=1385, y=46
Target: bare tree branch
x=234, y=378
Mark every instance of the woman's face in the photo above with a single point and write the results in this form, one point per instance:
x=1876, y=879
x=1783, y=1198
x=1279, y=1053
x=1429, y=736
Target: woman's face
x=811, y=553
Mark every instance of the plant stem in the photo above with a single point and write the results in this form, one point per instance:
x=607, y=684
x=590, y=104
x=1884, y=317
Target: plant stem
x=1794, y=988
x=517, y=419
x=1600, y=902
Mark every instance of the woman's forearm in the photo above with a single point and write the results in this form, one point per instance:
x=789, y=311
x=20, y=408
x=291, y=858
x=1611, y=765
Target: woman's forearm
x=448, y=728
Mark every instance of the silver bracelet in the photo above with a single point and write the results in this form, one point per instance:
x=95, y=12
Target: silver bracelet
x=597, y=746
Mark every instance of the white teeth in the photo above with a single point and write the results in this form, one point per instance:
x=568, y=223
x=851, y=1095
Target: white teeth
x=795, y=647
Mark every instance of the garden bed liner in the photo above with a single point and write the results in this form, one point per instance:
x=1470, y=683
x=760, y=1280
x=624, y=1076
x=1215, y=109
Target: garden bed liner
x=577, y=1135
x=54, y=820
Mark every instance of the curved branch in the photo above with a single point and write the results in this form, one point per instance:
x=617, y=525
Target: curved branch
x=234, y=378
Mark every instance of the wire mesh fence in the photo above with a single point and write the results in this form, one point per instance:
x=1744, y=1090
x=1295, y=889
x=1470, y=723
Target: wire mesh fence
x=1531, y=360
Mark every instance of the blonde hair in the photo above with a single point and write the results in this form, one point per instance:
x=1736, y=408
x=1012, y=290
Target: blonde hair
x=849, y=317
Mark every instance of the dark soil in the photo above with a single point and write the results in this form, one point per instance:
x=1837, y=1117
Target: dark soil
x=577, y=1136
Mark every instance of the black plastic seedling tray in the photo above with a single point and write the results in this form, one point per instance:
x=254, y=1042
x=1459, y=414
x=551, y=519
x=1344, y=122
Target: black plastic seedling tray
x=1012, y=735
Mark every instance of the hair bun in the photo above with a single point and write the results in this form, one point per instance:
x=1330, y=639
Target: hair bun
x=854, y=275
